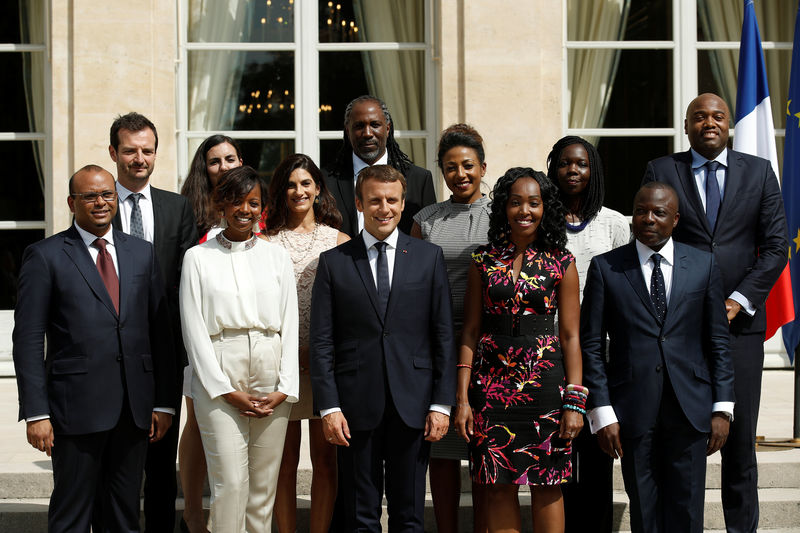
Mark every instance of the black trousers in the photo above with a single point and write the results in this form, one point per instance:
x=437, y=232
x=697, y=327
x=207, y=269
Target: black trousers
x=588, y=498
x=160, y=481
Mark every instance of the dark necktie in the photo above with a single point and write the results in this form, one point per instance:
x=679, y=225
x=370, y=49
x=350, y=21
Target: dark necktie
x=136, y=229
x=382, y=272
x=105, y=265
x=713, y=198
x=658, y=291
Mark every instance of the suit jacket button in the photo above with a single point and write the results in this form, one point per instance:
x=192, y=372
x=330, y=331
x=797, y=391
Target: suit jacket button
x=385, y=333
x=658, y=368
x=119, y=358
x=713, y=244
x=663, y=339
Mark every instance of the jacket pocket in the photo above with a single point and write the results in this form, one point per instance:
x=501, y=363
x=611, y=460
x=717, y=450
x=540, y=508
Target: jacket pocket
x=701, y=373
x=70, y=365
x=422, y=362
x=147, y=362
x=346, y=367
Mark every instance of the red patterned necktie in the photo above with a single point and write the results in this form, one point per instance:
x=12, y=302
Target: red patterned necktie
x=105, y=265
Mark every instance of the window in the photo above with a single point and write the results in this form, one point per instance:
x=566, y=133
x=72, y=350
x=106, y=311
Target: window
x=277, y=74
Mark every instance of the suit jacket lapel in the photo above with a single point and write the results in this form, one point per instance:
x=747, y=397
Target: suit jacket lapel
x=402, y=261
x=76, y=250
x=679, y=272
x=734, y=179
x=347, y=191
x=123, y=264
x=633, y=271
x=683, y=165
x=362, y=266
x=158, y=216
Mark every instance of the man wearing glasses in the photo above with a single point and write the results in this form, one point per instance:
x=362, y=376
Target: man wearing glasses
x=97, y=390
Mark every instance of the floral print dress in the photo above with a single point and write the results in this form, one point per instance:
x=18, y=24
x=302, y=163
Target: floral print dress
x=517, y=382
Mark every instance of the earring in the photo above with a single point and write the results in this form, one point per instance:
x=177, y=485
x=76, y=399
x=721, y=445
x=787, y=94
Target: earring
x=316, y=200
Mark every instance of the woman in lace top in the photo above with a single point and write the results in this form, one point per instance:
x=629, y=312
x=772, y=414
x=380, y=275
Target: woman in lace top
x=303, y=219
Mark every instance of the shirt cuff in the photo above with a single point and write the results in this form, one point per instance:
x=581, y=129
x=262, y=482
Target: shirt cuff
x=325, y=412
x=167, y=410
x=36, y=418
x=723, y=407
x=600, y=417
x=742, y=300
x=439, y=408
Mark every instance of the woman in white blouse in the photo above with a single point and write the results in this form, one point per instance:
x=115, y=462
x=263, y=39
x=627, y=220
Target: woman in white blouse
x=239, y=316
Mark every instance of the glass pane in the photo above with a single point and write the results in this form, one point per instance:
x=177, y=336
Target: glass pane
x=22, y=22
x=22, y=197
x=261, y=154
x=414, y=148
x=22, y=93
x=344, y=21
x=12, y=245
x=242, y=21
x=624, y=160
x=241, y=90
x=398, y=78
x=614, y=20
x=721, y=20
x=642, y=94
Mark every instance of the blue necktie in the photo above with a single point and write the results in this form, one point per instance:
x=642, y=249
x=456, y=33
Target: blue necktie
x=136, y=229
x=382, y=272
x=713, y=198
x=658, y=291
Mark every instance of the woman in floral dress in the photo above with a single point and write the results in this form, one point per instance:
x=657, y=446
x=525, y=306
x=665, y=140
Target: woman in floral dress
x=520, y=399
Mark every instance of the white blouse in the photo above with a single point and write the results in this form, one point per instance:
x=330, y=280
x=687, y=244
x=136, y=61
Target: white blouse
x=249, y=286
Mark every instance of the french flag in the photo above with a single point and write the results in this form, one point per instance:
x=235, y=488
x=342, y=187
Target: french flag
x=755, y=134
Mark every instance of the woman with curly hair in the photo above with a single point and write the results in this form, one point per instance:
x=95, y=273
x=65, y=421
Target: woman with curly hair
x=519, y=397
x=303, y=219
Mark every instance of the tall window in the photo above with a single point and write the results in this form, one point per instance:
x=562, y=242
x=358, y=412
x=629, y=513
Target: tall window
x=277, y=74
x=24, y=143
x=632, y=66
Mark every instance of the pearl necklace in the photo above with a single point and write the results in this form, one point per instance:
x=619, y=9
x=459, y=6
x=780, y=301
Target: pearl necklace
x=287, y=243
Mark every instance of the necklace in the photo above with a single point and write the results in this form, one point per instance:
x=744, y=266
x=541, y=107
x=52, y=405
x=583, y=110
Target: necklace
x=227, y=243
x=298, y=253
x=577, y=227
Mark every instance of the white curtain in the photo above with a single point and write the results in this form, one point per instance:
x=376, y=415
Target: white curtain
x=591, y=72
x=215, y=76
x=31, y=17
x=397, y=78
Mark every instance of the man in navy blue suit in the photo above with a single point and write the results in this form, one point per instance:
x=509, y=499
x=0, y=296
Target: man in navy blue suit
x=663, y=399
x=382, y=358
x=102, y=386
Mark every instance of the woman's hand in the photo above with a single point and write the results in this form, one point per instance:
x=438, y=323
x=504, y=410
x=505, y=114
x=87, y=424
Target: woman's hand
x=463, y=421
x=571, y=424
x=273, y=400
x=247, y=404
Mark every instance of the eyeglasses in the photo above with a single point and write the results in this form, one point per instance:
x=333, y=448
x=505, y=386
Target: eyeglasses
x=91, y=197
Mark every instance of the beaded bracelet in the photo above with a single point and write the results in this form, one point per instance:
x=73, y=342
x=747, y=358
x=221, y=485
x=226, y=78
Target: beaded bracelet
x=578, y=388
x=574, y=408
x=463, y=365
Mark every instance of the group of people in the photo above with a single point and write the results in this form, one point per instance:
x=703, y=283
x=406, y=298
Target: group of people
x=489, y=327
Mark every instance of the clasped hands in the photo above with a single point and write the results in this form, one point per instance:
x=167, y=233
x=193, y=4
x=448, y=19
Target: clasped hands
x=254, y=406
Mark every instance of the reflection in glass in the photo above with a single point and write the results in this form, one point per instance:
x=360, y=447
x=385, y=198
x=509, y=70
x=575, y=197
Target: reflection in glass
x=624, y=160
x=12, y=245
x=342, y=21
x=22, y=197
x=235, y=90
x=242, y=21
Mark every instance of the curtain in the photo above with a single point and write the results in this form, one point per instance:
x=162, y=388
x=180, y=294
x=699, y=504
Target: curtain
x=215, y=76
x=31, y=17
x=397, y=78
x=591, y=73
x=775, y=23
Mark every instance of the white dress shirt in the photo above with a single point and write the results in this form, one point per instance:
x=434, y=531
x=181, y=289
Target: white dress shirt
x=145, y=206
x=604, y=415
x=372, y=256
x=358, y=166
x=699, y=171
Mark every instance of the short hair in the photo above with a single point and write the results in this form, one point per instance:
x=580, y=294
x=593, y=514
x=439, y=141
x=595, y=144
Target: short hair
x=594, y=193
x=91, y=167
x=383, y=173
x=460, y=135
x=552, y=232
x=237, y=183
x=133, y=121
x=325, y=211
x=662, y=186
x=197, y=188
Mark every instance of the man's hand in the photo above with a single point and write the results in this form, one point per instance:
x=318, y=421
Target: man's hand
x=40, y=435
x=335, y=429
x=436, y=426
x=608, y=439
x=159, y=425
x=732, y=307
x=247, y=404
x=720, y=425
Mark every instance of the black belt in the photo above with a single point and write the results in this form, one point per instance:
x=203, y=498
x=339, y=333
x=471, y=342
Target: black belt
x=516, y=325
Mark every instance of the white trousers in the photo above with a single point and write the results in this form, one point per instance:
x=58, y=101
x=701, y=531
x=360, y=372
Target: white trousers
x=243, y=454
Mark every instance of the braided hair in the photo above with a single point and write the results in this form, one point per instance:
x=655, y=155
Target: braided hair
x=594, y=193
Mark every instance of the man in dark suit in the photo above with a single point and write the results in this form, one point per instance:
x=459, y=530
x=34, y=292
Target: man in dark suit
x=101, y=386
x=382, y=359
x=742, y=222
x=662, y=306
x=165, y=219
x=369, y=140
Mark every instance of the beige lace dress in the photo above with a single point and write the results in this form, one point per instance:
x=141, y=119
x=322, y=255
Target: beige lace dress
x=304, y=249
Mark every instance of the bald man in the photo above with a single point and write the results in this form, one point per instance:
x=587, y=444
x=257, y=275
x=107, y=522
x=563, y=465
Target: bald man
x=102, y=385
x=731, y=206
